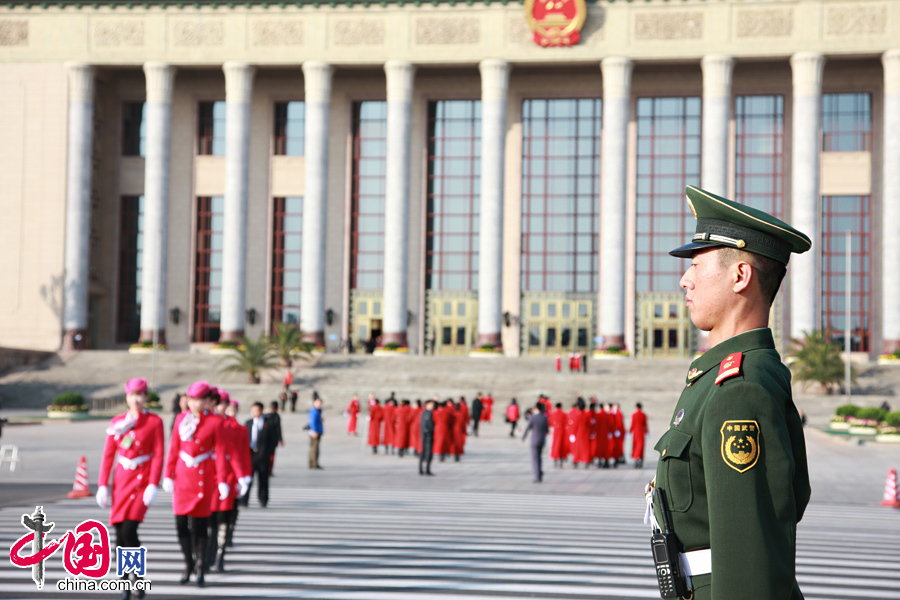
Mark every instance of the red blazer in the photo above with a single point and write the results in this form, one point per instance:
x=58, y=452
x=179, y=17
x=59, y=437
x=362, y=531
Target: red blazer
x=375, y=417
x=238, y=462
x=415, y=428
x=389, y=425
x=196, y=487
x=442, y=431
x=146, y=438
x=401, y=427
x=557, y=421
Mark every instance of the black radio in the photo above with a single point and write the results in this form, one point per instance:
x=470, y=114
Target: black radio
x=669, y=576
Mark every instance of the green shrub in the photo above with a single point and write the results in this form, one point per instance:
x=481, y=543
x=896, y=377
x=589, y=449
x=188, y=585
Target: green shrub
x=612, y=349
x=847, y=410
x=487, y=346
x=69, y=399
x=307, y=347
x=817, y=358
x=872, y=414
x=893, y=419
x=896, y=353
x=392, y=346
x=152, y=397
x=227, y=345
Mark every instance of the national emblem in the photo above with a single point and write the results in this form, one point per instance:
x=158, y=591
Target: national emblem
x=740, y=444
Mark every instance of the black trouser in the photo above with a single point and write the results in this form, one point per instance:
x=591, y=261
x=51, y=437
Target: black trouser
x=427, y=454
x=536, y=456
x=220, y=523
x=476, y=419
x=260, y=473
x=127, y=537
x=512, y=432
x=193, y=537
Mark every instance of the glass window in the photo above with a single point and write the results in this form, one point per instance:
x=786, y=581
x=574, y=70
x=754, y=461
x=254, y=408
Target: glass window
x=208, y=268
x=551, y=336
x=759, y=152
x=461, y=309
x=847, y=122
x=460, y=336
x=453, y=194
x=367, y=219
x=551, y=309
x=287, y=242
x=673, y=338
x=363, y=308
x=211, y=128
x=839, y=214
x=560, y=194
x=131, y=250
x=535, y=309
x=566, y=337
x=657, y=338
x=134, y=129
x=582, y=336
x=290, y=122
x=668, y=159
x=447, y=336
x=534, y=336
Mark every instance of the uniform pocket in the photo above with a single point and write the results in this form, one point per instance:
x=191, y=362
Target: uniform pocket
x=674, y=457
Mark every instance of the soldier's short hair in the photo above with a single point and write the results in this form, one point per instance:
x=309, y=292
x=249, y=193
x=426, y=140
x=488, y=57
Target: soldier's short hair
x=769, y=272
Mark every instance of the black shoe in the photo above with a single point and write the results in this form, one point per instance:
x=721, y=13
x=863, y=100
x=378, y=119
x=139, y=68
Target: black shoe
x=429, y=473
x=126, y=595
x=220, y=563
x=319, y=468
x=186, y=574
x=201, y=581
x=457, y=458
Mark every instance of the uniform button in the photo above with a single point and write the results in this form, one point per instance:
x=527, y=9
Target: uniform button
x=664, y=452
x=200, y=484
x=201, y=471
x=200, y=495
x=137, y=443
x=132, y=496
x=201, y=447
x=140, y=476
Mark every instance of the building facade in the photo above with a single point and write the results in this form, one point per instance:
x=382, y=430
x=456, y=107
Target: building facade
x=425, y=174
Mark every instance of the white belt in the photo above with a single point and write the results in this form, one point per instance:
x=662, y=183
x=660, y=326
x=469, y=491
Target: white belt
x=698, y=562
x=193, y=461
x=132, y=463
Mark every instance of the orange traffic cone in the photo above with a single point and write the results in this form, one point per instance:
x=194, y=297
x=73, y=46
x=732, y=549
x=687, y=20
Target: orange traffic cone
x=891, y=495
x=80, y=489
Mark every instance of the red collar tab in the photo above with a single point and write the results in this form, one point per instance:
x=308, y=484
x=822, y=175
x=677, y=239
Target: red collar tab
x=729, y=367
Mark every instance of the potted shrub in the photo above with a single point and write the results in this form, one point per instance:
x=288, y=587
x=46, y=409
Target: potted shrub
x=68, y=405
x=224, y=347
x=487, y=351
x=152, y=401
x=866, y=421
x=250, y=358
x=611, y=352
x=287, y=344
x=145, y=347
x=391, y=348
x=842, y=416
x=890, y=359
x=890, y=428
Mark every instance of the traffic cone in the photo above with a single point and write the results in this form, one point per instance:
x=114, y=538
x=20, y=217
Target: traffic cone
x=891, y=495
x=80, y=489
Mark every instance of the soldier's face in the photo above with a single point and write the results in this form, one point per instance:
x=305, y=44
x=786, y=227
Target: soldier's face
x=707, y=290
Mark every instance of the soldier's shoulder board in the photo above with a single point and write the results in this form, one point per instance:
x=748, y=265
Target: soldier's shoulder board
x=729, y=367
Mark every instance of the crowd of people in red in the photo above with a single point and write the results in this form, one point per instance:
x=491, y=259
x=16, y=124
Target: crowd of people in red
x=396, y=424
x=594, y=433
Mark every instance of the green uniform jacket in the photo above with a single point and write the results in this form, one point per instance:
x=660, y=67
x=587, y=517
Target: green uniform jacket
x=733, y=468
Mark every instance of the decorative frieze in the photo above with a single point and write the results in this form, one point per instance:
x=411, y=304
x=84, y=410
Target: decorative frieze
x=117, y=33
x=13, y=32
x=594, y=30
x=198, y=32
x=773, y=22
x=668, y=25
x=855, y=19
x=519, y=32
x=277, y=32
x=447, y=30
x=359, y=32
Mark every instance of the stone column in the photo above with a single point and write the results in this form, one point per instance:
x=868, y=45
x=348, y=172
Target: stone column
x=613, y=193
x=238, y=88
x=78, y=206
x=317, y=84
x=890, y=215
x=716, y=114
x=494, y=89
x=807, y=123
x=160, y=78
x=396, y=206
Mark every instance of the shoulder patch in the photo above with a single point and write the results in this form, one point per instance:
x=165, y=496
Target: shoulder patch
x=729, y=367
x=740, y=444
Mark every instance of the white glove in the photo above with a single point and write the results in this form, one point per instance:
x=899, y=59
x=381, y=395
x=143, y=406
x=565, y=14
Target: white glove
x=244, y=485
x=223, y=490
x=150, y=494
x=168, y=485
x=103, y=496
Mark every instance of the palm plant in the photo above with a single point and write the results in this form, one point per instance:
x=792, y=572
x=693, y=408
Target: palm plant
x=287, y=344
x=817, y=358
x=250, y=358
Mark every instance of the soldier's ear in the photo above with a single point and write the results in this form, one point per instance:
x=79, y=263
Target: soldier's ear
x=742, y=273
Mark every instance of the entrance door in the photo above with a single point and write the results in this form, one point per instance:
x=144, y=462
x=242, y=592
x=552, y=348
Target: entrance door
x=665, y=326
x=365, y=318
x=452, y=321
x=557, y=323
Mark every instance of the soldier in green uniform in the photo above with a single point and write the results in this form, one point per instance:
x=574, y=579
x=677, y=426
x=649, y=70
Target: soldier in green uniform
x=733, y=460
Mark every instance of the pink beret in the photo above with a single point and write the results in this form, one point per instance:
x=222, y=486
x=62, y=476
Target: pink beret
x=199, y=389
x=223, y=395
x=138, y=385
x=235, y=404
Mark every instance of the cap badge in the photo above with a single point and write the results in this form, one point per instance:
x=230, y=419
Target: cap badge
x=694, y=373
x=678, y=418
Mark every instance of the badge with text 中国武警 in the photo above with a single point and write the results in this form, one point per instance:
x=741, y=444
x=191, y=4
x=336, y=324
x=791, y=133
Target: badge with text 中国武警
x=740, y=444
x=555, y=22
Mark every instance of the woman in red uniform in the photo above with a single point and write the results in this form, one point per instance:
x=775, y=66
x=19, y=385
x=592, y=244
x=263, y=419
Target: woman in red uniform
x=388, y=416
x=196, y=462
x=375, y=418
x=415, y=427
x=351, y=412
x=442, y=431
x=134, y=447
x=557, y=421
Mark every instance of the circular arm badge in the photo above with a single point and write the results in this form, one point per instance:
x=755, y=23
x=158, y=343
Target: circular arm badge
x=740, y=444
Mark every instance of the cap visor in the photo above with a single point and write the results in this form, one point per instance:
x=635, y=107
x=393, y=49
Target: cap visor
x=688, y=250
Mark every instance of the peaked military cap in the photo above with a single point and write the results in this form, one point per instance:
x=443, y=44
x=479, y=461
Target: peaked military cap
x=721, y=222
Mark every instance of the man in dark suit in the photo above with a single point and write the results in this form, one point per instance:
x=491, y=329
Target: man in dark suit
x=538, y=424
x=263, y=439
x=274, y=418
x=427, y=427
x=477, y=407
